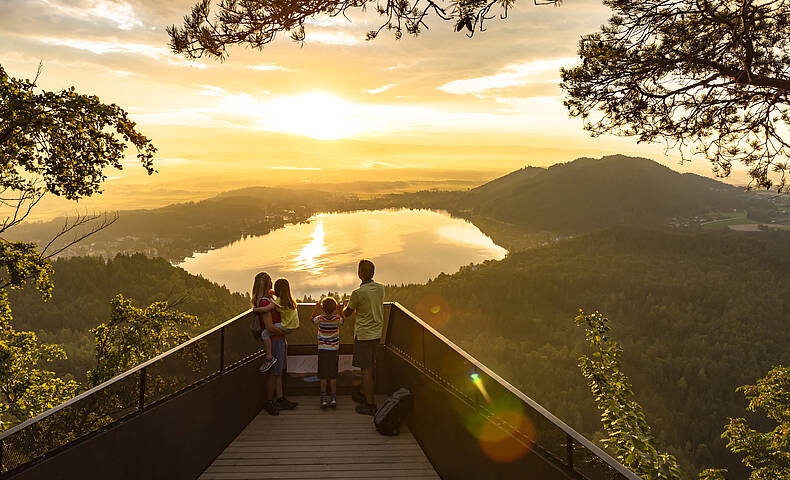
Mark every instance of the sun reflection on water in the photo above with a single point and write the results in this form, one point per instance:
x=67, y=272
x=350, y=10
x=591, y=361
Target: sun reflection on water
x=312, y=257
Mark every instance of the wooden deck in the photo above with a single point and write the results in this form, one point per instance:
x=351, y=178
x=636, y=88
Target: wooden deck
x=311, y=443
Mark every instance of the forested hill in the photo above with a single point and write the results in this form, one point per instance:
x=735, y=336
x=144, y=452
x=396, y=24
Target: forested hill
x=697, y=314
x=85, y=285
x=588, y=194
x=176, y=231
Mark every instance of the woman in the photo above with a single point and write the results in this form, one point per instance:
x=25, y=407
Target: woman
x=270, y=321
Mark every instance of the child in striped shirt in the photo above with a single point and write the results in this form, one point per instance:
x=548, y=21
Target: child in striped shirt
x=328, y=345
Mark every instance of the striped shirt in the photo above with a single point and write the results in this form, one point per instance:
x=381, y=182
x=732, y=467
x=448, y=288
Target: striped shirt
x=328, y=331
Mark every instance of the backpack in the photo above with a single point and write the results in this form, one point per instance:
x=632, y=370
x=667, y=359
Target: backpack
x=388, y=416
x=255, y=326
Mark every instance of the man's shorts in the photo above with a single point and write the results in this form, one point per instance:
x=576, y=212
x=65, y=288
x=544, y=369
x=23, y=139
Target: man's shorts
x=364, y=353
x=280, y=352
x=327, y=364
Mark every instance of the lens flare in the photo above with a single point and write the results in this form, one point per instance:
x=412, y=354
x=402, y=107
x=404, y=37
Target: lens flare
x=435, y=310
x=478, y=382
x=507, y=436
x=505, y=432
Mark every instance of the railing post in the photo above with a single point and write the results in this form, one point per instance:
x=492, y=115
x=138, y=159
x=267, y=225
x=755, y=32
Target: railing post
x=141, y=404
x=569, y=450
x=222, y=350
x=424, y=363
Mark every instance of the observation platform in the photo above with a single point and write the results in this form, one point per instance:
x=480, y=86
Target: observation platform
x=196, y=412
x=311, y=443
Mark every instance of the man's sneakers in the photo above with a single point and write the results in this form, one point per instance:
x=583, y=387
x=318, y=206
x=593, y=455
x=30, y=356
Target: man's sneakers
x=271, y=407
x=267, y=364
x=366, y=409
x=285, y=404
x=324, y=402
x=333, y=402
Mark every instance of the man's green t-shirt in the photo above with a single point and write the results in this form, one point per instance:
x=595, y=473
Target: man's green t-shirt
x=368, y=303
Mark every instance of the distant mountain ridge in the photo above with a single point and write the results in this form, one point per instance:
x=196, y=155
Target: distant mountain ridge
x=588, y=194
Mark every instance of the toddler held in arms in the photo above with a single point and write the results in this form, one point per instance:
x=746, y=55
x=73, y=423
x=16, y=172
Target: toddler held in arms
x=328, y=323
x=282, y=299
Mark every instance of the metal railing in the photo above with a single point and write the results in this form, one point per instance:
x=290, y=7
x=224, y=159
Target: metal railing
x=496, y=399
x=230, y=344
x=130, y=393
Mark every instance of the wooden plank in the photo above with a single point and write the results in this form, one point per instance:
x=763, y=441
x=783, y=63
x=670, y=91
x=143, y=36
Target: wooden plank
x=348, y=440
x=264, y=455
x=308, y=442
x=344, y=467
x=323, y=460
x=362, y=474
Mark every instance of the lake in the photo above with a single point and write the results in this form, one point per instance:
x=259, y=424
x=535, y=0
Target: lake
x=321, y=255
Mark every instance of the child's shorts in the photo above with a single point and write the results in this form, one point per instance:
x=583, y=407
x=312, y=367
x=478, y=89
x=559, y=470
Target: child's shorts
x=266, y=335
x=327, y=364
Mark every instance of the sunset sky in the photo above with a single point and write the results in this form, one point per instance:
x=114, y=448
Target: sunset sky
x=440, y=106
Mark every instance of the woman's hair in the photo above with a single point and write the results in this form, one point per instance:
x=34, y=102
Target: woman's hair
x=260, y=287
x=283, y=291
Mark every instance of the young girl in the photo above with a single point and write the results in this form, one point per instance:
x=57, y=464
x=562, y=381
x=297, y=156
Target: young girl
x=261, y=287
x=286, y=307
x=328, y=344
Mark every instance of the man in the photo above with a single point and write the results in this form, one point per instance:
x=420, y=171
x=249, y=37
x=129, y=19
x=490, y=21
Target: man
x=367, y=303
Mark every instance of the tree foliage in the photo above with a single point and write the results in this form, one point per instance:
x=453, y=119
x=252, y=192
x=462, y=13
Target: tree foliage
x=697, y=314
x=27, y=387
x=58, y=143
x=630, y=436
x=134, y=335
x=255, y=23
x=767, y=454
x=62, y=139
x=705, y=76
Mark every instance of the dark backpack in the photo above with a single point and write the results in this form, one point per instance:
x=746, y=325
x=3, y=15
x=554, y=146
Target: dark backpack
x=388, y=416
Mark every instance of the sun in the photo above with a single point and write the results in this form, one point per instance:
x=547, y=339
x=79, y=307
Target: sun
x=317, y=115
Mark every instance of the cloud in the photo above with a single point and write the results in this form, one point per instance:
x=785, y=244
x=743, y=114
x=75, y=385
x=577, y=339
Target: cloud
x=511, y=76
x=368, y=164
x=122, y=14
x=211, y=91
x=104, y=47
x=381, y=89
x=333, y=38
x=289, y=167
x=269, y=67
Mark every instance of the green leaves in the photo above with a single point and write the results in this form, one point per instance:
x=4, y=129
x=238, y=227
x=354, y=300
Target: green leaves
x=27, y=388
x=61, y=142
x=134, y=335
x=766, y=453
x=20, y=262
x=630, y=436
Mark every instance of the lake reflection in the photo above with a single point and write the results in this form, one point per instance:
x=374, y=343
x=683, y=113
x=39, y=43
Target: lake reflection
x=407, y=246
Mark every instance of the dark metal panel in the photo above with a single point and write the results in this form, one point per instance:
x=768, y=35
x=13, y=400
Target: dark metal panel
x=176, y=439
x=439, y=422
